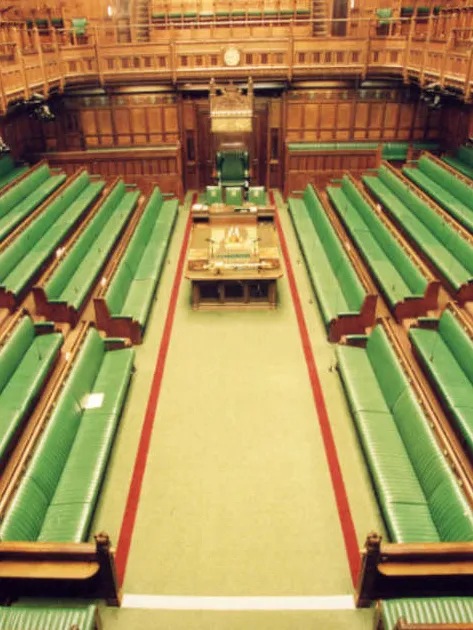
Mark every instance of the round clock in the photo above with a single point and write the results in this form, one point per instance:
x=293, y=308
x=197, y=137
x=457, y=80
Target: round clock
x=231, y=56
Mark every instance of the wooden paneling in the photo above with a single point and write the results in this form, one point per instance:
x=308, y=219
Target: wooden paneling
x=154, y=166
x=347, y=115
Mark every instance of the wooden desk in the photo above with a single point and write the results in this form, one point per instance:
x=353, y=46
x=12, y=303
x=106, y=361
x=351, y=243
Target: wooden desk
x=220, y=210
x=234, y=262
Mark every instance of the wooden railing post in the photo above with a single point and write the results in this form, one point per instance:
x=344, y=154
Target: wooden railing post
x=469, y=78
x=21, y=62
x=3, y=98
x=364, y=72
x=98, y=56
x=405, y=72
x=426, y=50
x=39, y=48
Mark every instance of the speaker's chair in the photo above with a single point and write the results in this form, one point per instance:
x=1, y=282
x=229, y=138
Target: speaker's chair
x=233, y=168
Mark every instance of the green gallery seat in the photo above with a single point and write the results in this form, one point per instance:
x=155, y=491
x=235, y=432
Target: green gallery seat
x=445, y=188
x=234, y=196
x=26, y=359
x=24, y=257
x=399, y=278
x=213, y=194
x=133, y=286
x=442, y=244
x=428, y=611
x=232, y=167
x=35, y=617
x=462, y=162
x=336, y=284
x=57, y=494
x=18, y=202
x=9, y=172
x=446, y=355
x=257, y=195
x=79, y=26
x=418, y=494
x=75, y=275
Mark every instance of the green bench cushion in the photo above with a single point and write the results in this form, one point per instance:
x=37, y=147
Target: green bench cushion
x=461, y=167
x=441, y=610
x=31, y=514
x=40, y=617
x=31, y=368
x=9, y=177
x=332, y=146
x=20, y=261
x=74, y=276
x=20, y=211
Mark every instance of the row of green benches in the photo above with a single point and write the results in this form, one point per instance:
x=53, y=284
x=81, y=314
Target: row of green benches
x=176, y=16
x=20, y=200
x=404, y=285
x=57, y=494
x=418, y=494
x=446, y=248
x=131, y=290
x=446, y=355
x=453, y=194
x=74, y=276
x=25, y=256
x=339, y=291
x=9, y=172
x=392, y=151
x=462, y=161
x=26, y=359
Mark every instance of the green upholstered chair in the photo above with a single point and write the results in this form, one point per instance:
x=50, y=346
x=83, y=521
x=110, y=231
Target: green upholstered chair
x=384, y=16
x=232, y=168
x=257, y=195
x=234, y=196
x=214, y=195
x=78, y=26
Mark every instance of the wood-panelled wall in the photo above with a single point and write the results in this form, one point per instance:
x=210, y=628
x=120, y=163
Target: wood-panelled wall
x=332, y=115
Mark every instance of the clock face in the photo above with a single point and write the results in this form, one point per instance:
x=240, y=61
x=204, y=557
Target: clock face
x=232, y=57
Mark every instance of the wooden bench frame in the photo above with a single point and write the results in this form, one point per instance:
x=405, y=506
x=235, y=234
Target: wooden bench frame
x=410, y=307
x=413, y=570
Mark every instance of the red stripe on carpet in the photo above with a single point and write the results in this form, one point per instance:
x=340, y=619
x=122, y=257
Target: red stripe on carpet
x=346, y=520
x=128, y=523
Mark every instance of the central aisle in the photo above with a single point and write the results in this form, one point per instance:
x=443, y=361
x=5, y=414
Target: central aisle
x=236, y=498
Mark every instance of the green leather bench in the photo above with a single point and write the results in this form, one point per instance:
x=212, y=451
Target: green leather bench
x=9, y=172
x=332, y=146
x=462, y=162
x=24, y=257
x=446, y=355
x=431, y=610
x=418, y=495
x=448, y=251
x=399, y=278
x=18, y=202
x=49, y=618
x=453, y=195
x=26, y=359
x=56, y=497
x=74, y=276
x=337, y=287
x=133, y=286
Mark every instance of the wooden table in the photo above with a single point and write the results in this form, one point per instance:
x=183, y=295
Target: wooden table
x=234, y=262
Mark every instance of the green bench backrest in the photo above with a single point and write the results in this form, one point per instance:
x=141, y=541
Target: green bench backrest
x=28, y=509
x=349, y=282
x=411, y=274
x=13, y=254
x=447, y=180
x=332, y=146
x=118, y=289
x=465, y=154
x=63, y=273
x=14, y=348
x=458, y=341
x=441, y=229
x=24, y=188
x=432, y=610
x=6, y=165
x=450, y=511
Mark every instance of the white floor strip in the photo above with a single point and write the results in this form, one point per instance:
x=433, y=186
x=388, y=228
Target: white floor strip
x=189, y=602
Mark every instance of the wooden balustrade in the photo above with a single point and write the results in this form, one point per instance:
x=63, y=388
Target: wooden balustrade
x=30, y=64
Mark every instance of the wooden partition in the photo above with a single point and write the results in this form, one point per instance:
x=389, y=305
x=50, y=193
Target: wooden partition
x=145, y=167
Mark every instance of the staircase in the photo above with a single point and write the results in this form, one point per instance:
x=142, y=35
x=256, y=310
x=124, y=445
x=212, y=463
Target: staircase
x=320, y=12
x=139, y=15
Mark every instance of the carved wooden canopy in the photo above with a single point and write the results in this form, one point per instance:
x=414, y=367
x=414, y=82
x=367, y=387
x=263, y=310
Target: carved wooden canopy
x=231, y=111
